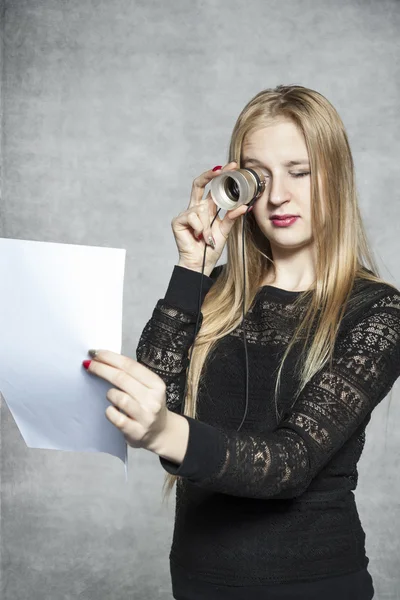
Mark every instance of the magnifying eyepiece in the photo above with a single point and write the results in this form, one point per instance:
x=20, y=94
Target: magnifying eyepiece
x=233, y=188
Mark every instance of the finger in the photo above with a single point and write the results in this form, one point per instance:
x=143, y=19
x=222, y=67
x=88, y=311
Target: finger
x=212, y=207
x=136, y=370
x=116, y=418
x=136, y=383
x=203, y=214
x=230, y=219
x=200, y=183
x=132, y=430
x=195, y=222
x=126, y=403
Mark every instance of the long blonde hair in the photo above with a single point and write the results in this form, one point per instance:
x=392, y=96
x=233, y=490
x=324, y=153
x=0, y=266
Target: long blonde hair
x=341, y=245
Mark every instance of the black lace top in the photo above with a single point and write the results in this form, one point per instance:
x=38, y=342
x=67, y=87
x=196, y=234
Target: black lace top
x=274, y=502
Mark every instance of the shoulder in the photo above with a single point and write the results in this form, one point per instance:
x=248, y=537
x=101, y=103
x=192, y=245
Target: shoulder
x=372, y=302
x=374, y=294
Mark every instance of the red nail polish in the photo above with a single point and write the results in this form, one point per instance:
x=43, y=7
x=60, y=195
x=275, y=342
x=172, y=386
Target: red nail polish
x=217, y=168
x=86, y=363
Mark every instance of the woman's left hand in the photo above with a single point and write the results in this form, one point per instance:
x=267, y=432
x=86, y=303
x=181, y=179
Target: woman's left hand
x=138, y=392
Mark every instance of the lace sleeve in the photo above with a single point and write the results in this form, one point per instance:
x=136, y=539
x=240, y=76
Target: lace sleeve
x=163, y=347
x=335, y=402
x=166, y=338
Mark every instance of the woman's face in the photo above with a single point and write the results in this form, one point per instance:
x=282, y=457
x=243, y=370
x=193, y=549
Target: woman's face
x=275, y=149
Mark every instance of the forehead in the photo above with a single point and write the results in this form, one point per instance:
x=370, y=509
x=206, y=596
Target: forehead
x=282, y=138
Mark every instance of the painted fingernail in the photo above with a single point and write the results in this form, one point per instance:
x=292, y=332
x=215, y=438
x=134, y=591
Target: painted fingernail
x=86, y=363
x=217, y=168
x=92, y=353
x=211, y=241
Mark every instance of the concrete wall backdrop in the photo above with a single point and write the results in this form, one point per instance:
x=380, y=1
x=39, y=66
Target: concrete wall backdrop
x=110, y=110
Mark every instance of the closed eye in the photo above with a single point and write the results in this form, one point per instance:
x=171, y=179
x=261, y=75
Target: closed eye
x=295, y=175
x=301, y=174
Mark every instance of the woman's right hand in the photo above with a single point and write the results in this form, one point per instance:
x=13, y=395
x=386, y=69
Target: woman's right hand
x=196, y=220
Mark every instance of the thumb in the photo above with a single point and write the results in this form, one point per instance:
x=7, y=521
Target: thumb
x=230, y=219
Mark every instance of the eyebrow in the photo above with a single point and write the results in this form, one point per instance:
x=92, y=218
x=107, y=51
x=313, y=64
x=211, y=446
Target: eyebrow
x=289, y=163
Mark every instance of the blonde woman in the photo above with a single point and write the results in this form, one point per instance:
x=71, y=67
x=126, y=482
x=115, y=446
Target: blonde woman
x=269, y=511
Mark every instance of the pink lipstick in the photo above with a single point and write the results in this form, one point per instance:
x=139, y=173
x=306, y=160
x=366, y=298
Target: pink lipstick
x=284, y=222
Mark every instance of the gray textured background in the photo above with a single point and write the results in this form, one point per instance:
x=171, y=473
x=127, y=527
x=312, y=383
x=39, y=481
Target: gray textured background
x=110, y=109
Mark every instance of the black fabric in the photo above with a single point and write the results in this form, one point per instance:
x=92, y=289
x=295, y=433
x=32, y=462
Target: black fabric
x=354, y=586
x=273, y=503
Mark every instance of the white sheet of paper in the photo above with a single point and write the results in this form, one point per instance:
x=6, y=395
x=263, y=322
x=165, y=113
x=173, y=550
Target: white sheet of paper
x=57, y=301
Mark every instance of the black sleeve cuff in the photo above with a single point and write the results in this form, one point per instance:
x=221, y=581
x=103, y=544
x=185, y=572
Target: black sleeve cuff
x=184, y=287
x=205, y=454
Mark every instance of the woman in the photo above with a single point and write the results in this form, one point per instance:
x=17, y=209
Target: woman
x=267, y=512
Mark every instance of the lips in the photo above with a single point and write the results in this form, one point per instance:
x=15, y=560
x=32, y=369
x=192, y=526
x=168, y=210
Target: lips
x=281, y=217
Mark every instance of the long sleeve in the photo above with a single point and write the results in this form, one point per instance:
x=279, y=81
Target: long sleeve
x=166, y=338
x=335, y=402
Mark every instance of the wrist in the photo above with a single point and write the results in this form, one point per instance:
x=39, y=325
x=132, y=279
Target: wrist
x=207, y=270
x=172, y=442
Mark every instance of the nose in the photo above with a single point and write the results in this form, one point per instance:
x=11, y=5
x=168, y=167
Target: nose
x=277, y=191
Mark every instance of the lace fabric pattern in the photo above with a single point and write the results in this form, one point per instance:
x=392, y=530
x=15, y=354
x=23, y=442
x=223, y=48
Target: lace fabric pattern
x=330, y=409
x=163, y=347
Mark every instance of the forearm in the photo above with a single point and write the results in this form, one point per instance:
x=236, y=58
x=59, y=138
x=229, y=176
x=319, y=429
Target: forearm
x=240, y=464
x=172, y=443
